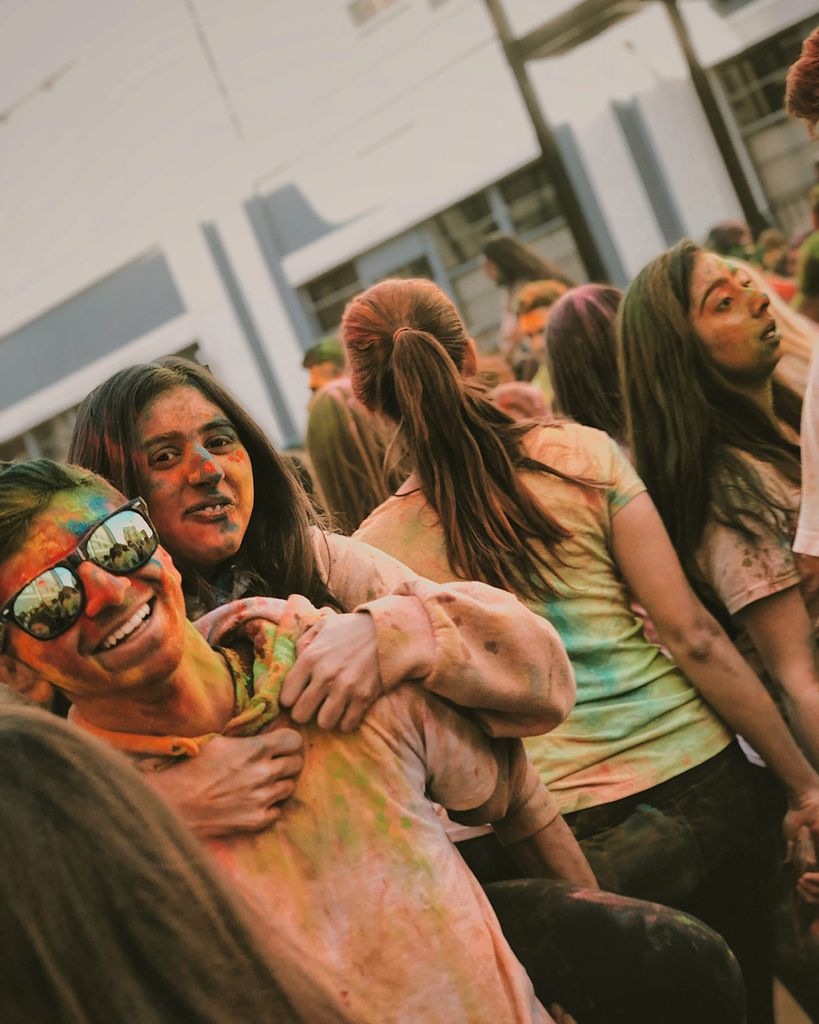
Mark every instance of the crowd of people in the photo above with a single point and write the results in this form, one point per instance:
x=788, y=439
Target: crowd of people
x=500, y=706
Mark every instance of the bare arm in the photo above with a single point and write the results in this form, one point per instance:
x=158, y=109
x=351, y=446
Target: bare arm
x=705, y=654
x=782, y=633
x=553, y=852
x=527, y=821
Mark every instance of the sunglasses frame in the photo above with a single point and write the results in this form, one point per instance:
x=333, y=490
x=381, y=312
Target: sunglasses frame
x=72, y=561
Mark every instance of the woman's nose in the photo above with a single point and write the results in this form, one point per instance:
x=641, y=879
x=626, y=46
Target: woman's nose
x=204, y=468
x=102, y=590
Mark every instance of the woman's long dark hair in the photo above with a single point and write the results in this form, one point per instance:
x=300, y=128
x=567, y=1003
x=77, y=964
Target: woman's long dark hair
x=580, y=340
x=277, y=548
x=406, y=346
x=109, y=909
x=518, y=263
x=688, y=426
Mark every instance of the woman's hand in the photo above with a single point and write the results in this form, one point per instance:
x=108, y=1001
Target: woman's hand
x=336, y=676
x=233, y=785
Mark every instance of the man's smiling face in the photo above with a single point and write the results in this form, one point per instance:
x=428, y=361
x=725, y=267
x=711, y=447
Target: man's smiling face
x=94, y=657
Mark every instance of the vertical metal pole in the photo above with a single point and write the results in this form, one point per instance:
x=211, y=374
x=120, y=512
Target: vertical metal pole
x=566, y=195
x=753, y=215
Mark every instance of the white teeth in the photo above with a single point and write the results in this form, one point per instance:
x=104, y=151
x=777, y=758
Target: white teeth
x=126, y=628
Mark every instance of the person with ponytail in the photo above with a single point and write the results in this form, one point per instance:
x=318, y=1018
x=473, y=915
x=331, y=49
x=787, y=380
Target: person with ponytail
x=644, y=768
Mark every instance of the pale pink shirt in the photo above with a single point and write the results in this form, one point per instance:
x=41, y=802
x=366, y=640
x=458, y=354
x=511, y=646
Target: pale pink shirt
x=471, y=643
x=358, y=882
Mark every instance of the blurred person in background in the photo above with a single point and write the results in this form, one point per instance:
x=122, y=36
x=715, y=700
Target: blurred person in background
x=771, y=256
x=532, y=305
x=730, y=238
x=510, y=264
x=581, y=352
x=347, y=446
x=806, y=301
x=521, y=401
x=109, y=909
x=325, y=361
x=802, y=83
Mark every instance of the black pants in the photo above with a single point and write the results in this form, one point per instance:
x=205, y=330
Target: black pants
x=700, y=843
x=613, y=960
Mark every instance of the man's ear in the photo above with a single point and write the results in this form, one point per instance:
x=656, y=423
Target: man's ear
x=470, y=358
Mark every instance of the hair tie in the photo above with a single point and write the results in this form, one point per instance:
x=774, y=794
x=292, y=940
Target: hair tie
x=401, y=331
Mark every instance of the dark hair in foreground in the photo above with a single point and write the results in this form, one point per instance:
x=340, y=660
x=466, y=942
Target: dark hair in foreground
x=582, y=347
x=277, y=548
x=518, y=263
x=348, y=448
x=109, y=909
x=687, y=424
x=802, y=83
x=406, y=346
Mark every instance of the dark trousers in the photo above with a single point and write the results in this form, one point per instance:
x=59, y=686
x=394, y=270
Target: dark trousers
x=613, y=960
x=705, y=843
x=702, y=843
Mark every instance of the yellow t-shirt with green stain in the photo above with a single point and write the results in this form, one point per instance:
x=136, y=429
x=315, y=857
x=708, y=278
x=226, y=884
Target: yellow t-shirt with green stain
x=637, y=721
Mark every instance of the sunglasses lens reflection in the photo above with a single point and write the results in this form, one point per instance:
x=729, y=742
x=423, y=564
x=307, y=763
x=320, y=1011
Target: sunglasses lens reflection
x=122, y=543
x=50, y=603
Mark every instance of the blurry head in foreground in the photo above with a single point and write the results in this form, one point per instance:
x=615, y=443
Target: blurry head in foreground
x=109, y=909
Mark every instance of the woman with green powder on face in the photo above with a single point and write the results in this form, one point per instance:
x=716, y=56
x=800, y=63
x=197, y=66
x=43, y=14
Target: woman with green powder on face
x=644, y=771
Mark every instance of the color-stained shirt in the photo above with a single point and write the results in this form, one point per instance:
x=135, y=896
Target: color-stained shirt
x=357, y=883
x=451, y=639
x=742, y=570
x=637, y=721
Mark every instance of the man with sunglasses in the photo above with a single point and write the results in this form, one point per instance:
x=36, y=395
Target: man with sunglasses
x=357, y=881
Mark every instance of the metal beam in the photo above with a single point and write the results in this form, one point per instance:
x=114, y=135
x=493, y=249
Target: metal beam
x=736, y=172
x=583, y=22
x=567, y=197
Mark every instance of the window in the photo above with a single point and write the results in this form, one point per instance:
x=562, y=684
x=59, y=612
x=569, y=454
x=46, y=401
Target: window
x=459, y=231
x=415, y=268
x=329, y=294
x=51, y=438
x=530, y=197
x=754, y=86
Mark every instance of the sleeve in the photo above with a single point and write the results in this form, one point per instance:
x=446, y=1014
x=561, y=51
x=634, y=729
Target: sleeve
x=624, y=483
x=807, y=534
x=481, y=780
x=468, y=642
x=742, y=571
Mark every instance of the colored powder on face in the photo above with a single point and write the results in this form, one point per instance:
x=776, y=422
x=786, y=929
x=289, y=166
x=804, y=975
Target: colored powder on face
x=91, y=506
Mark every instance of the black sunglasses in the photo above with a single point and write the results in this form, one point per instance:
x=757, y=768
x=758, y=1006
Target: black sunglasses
x=52, y=602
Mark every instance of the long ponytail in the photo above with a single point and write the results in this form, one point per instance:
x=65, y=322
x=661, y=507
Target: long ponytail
x=406, y=348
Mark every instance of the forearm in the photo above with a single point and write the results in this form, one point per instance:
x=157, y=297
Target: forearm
x=553, y=852
x=735, y=692
x=468, y=642
x=802, y=709
x=478, y=647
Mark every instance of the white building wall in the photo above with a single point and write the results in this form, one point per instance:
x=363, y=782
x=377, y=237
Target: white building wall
x=126, y=124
